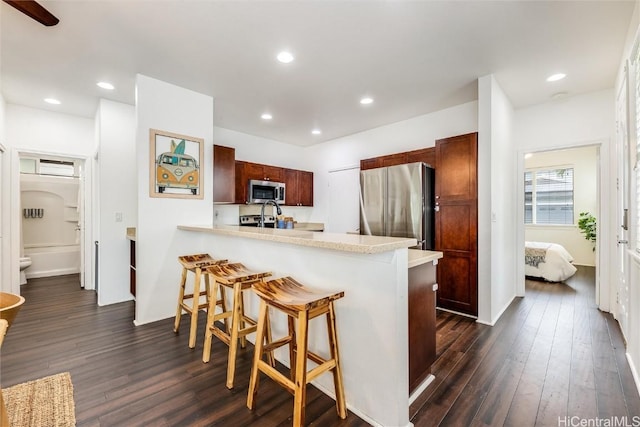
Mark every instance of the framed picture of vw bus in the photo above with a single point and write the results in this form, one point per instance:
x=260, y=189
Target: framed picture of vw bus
x=175, y=165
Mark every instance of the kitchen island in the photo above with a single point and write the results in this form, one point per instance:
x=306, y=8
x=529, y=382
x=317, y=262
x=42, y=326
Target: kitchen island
x=373, y=325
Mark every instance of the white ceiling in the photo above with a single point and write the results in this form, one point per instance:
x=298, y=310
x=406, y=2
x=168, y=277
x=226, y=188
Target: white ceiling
x=411, y=57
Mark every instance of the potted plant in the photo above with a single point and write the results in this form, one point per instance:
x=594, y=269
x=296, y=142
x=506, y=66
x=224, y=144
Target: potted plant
x=587, y=226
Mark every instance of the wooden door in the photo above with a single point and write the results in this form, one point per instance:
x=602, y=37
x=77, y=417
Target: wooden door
x=224, y=174
x=305, y=188
x=457, y=222
x=291, y=178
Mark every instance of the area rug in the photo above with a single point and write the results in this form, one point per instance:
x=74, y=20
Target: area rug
x=43, y=402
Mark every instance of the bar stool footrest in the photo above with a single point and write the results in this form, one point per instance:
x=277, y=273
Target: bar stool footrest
x=277, y=376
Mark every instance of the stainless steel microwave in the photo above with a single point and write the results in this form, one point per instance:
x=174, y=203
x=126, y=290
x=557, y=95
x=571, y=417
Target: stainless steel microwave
x=261, y=191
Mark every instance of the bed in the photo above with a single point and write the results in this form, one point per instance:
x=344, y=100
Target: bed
x=549, y=261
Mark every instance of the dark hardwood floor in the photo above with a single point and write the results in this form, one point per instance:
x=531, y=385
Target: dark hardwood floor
x=552, y=354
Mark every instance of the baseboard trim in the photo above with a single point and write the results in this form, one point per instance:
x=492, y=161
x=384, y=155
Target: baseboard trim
x=634, y=371
x=51, y=273
x=457, y=312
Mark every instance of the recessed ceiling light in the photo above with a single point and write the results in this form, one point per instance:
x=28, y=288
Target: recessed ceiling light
x=316, y=131
x=52, y=101
x=366, y=101
x=285, y=57
x=556, y=77
x=266, y=116
x=105, y=85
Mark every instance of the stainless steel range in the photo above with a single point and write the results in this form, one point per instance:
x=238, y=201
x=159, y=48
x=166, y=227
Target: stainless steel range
x=254, y=221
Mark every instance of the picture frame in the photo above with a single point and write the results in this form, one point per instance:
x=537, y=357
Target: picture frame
x=175, y=165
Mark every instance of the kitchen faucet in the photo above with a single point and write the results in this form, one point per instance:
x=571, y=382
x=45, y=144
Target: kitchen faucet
x=268, y=202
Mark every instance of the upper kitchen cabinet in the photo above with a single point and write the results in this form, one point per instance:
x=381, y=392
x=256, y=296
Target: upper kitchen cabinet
x=299, y=190
x=426, y=155
x=457, y=222
x=224, y=174
x=261, y=172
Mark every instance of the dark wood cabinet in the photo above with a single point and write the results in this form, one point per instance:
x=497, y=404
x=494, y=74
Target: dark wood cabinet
x=242, y=183
x=457, y=222
x=422, y=323
x=224, y=174
x=132, y=267
x=299, y=190
x=426, y=155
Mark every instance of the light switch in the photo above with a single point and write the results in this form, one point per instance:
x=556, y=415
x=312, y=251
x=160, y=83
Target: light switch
x=118, y=216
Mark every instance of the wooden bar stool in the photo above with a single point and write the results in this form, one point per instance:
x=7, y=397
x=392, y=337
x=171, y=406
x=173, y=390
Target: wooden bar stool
x=237, y=277
x=300, y=304
x=195, y=264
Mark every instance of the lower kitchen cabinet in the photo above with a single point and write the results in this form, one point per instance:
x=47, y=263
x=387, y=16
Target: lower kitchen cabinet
x=422, y=322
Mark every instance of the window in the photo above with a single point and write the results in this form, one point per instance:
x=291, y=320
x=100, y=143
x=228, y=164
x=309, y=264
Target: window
x=548, y=196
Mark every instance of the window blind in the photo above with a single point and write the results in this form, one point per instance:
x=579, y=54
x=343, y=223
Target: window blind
x=548, y=197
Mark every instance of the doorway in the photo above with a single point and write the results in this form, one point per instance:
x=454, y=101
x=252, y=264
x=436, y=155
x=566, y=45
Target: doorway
x=51, y=209
x=561, y=190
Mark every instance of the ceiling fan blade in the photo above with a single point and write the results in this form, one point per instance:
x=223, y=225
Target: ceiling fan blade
x=34, y=10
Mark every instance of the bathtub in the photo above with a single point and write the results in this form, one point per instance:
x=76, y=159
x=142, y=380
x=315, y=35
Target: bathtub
x=53, y=260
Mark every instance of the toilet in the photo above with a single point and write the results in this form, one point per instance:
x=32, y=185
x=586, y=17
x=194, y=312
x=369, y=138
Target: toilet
x=25, y=262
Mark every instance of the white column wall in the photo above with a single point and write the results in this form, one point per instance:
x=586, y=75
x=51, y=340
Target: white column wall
x=117, y=193
x=5, y=218
x=497, y=255
x=174, y=109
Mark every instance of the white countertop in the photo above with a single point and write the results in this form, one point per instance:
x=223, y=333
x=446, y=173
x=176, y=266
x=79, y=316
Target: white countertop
x=418, y=257
x=335, y=241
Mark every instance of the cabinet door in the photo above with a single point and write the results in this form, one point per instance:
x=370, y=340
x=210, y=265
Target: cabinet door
x=305, y=188
x=394, y=159
x=242, y=182
x=224, y=174
x=273, y=173
x=365, y=164
x=457, y=223
x=291, y=179
x=426, y=155
x=254, y=171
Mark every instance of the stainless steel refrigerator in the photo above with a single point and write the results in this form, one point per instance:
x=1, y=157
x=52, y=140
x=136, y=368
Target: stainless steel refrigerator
x=399, y=201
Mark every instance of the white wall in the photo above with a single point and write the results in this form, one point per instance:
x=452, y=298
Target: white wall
x=585, y=172
x=117, y=194
x=412, y=134
x=5, y=225
x=580, y=120
x=497, y=255
x=170, y=108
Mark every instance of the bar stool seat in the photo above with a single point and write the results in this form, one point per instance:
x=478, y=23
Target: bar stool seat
x=238, y=278
x=195, y=264
x=300, y=304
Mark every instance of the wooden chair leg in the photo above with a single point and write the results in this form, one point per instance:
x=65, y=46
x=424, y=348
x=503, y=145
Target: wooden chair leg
x=300, y=394
x=183, y=281
x=341, y=405
x=242, y=324
x=292, y=348
x=235, y=327
x=271, y=360
x=257, y=355
x=211, y=311
x=223, y=305
x=194, y=309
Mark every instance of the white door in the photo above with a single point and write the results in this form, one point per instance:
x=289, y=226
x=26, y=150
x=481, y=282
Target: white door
x=80, y=227
x=622, y=143
x=344, y=201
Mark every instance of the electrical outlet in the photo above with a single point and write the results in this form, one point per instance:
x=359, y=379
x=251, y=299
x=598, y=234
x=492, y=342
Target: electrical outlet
x=118, y=216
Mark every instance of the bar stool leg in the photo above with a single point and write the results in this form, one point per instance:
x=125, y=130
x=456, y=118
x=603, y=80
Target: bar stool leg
x=183, y=281
x=211, y=311
x=292, y=347
x=194, y=310
x=235, y=327
x=300, y=394
x=254, y=379
x=337, y=370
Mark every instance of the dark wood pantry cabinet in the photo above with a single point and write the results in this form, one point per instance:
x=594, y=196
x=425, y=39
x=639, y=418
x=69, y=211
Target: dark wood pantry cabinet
x=299, y=187
x=457, y=222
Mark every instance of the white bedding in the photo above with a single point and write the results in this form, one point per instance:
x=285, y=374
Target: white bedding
x=553, y=261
